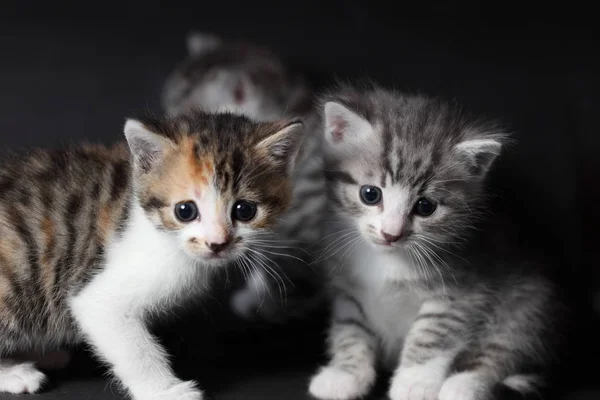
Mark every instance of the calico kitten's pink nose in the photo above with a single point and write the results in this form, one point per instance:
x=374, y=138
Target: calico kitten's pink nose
x=218, y=247
x=390, y=238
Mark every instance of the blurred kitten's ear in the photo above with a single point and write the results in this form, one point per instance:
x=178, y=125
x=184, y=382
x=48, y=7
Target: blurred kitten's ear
x=146, y=146
x=198, y=43
x=283, y=146
x=344, y=126
x=479, y=154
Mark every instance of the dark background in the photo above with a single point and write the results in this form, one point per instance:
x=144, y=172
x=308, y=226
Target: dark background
x=71, y=71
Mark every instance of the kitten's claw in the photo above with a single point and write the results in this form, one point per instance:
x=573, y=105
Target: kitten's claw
x=464, y=386
x=20, y=378
x=332, y=383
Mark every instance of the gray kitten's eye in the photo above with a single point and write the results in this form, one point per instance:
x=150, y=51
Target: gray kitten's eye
x=370, y=195
x=186, y=211
x=425, y=207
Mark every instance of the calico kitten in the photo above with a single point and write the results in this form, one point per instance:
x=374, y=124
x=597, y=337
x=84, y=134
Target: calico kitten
x=284, y=278
x=95, y=240
x=413, y=289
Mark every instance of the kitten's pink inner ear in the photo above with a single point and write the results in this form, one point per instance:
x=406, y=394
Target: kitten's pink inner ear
x=344, y=125
x=338, y=128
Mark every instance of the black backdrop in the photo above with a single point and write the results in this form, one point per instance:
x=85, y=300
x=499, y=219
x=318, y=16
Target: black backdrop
x=71, y=71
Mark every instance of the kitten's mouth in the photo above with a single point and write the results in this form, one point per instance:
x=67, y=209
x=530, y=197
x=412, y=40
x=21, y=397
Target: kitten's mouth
x=382, y=244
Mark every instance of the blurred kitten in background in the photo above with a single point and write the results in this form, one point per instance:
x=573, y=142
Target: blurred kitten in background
x=233, y=76
x=220, y=75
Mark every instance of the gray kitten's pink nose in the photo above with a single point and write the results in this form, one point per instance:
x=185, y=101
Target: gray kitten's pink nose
x=390, y=238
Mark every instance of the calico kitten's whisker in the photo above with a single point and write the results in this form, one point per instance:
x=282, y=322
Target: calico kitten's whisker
x=280, y=284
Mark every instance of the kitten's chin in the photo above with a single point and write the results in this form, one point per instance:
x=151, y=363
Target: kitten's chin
x=214, y=260
x=383, y=246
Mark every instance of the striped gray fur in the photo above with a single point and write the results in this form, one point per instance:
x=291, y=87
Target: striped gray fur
x=416, y=292
x=218, y=74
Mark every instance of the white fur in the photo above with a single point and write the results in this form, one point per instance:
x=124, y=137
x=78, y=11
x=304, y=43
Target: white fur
x=466, y=386
x=20, y=377
x=391, y=312
x=145, y=271
x=395, y=202
x=336, y=384
x=419, y=382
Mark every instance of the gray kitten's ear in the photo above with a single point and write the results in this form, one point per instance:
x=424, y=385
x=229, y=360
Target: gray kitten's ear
x=146, y=146
x=345, y=127
x=283, y=146
x=478, y=154
x=198, y=43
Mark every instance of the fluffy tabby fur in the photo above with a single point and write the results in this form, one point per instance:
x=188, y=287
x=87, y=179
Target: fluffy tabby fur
x=422, y=295
x=219, y=74
x=91, y=247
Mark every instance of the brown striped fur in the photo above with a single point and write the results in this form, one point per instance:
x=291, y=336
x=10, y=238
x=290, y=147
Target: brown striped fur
x=60, y=210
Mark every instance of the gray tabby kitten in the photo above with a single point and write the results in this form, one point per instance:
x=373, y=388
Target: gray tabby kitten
x=412, y=289
x=239, y=77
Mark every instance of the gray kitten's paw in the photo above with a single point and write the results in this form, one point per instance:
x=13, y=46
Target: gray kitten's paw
x=333, y=383
x=465, y=386
x=416, y=383
x=20, y=378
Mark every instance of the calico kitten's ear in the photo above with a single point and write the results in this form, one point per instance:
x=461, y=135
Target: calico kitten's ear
x=146, y=146
x=198, y=43
x=283, y=146
x=343, y=126
x=478, y=154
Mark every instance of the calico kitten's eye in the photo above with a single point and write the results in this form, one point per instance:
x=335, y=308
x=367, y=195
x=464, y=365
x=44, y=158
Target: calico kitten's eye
x=186, y=211
x=425, y=207
x=243, y=210
x=370, y=195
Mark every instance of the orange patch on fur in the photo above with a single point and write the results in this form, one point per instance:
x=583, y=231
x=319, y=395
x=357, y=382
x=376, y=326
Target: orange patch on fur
x=48, y=229
x=186, y=174
x=105, y=223
x=49, y=234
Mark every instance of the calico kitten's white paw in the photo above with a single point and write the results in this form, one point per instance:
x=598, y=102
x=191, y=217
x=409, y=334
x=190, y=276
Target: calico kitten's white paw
x=20, y=378
x=415, y=386
x=181, y=391
x=465, y=386
x=333, y=383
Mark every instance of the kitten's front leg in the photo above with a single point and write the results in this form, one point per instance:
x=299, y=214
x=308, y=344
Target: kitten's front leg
x=435, y=338
x=113, y=324
x=350, y=373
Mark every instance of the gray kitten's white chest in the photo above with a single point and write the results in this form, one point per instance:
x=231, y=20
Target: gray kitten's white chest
x=386, y=296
